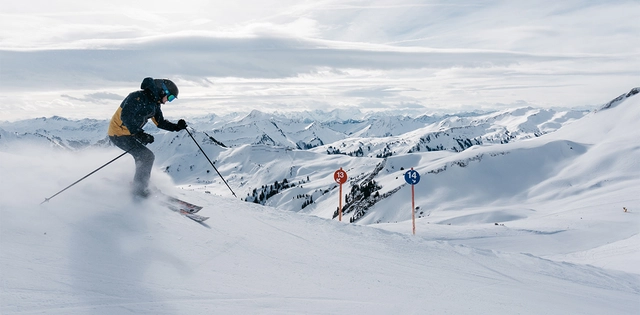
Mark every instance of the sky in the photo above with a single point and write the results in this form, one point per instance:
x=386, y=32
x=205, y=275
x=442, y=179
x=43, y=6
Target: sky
x=78, y=59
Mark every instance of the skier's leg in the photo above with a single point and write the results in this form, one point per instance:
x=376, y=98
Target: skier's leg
x=144, y=159
x=144, y=163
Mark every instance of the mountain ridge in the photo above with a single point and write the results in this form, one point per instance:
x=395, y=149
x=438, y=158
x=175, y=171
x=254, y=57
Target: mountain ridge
x=257, y=161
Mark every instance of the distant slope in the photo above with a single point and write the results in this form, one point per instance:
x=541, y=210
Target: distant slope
x=592, y=153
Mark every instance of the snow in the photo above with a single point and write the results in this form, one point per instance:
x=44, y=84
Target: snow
x=534, y=226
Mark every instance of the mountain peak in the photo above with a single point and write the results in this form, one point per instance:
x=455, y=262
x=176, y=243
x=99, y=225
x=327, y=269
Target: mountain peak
x=620, y=98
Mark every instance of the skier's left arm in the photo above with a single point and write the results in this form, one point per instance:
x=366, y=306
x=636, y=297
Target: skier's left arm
x=162, y=123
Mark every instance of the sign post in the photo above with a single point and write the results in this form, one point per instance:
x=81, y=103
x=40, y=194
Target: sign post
x=412, y=178
x=340, y=177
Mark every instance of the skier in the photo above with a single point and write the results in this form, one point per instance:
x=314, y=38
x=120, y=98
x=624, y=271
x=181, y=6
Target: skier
x=125, y=129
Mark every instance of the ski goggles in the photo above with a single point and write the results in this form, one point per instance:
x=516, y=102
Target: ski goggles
x=170, y=97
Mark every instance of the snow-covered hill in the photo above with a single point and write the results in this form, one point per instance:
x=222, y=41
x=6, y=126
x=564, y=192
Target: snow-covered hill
x=92, y=250
x=56, y=132
x=531, y=226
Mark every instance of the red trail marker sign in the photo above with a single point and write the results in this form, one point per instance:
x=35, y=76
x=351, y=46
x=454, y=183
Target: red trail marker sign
x=340, y=177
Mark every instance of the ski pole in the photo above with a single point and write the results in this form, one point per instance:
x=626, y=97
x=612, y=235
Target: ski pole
x=79, y=180
x=205, y=155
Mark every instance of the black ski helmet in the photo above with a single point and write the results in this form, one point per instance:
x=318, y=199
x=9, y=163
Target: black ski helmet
x=167, y=87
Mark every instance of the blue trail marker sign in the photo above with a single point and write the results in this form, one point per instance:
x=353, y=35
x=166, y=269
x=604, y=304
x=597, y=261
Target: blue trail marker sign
x=412, y=178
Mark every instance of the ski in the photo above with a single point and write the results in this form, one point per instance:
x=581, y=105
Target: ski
x=184, y=205
x=192, y=216
x=185, y=208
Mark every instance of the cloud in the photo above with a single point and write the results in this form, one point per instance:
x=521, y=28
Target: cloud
x=374, y=92
x=326, y=54
x=96, y=97
x=198, y=56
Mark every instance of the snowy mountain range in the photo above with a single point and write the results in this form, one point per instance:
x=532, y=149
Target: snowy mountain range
x=258, y=150
x=522, y=211
x=239, y=139
x=299, y=131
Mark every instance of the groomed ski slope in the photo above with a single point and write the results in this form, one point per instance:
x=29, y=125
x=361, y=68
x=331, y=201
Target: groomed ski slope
x=92, y=250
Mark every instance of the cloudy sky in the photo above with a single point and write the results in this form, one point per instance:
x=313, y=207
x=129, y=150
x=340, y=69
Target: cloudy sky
x=81, y=58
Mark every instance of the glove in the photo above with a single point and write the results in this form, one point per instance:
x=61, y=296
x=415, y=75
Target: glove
x=144, y=138
x=181, y=125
